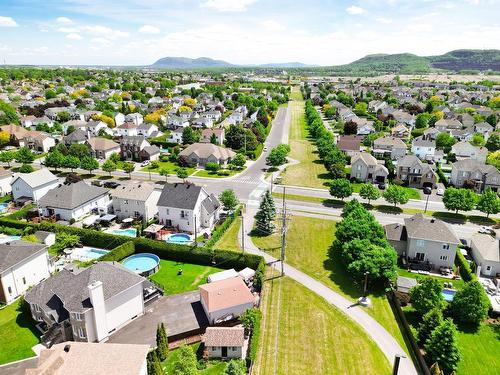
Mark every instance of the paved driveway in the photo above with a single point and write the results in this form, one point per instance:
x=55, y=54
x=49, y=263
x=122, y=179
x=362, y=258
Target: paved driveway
x=181, y=313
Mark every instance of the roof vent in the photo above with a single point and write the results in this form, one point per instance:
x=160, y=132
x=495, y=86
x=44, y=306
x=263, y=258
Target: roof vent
x=433, y=220
x=67, y=348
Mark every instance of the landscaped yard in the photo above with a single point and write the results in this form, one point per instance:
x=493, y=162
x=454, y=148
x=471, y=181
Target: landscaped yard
x=213, y=368
x=456, y=283
x=229, y=240
x=168, y=165
x=310, y=171
x=302, y=334
x=17, y=334
x=308, y=243
x=208, y=174
x=169, y=277
x=479, y=349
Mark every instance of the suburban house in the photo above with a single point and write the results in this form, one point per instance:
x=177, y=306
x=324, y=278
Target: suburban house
x=74, y=201
x=413, y=171
x=78, y=136
x=5, y=180
x=93, y=128
x=188, y=207
x=127, y=129
x=225, y=299
x=218, y=134
x=391, y=147
x=484, y=128
x=83, y=358
x=131, y=146
x=349, y=144
x=364, y=167
x=33, y=186
x=224, y=342
x=23, y=264
x=400, y=131
x=424, y=149
x=137, y=199
x=424, y=243
x=135, y=118
x=447, y=124
x=148, y=130
x=149, y=153
x=37, y=141
x=365, y=129
x=200, y=154
x=102, y=148
x=464, y=150
x=430, y=133
x=87, y=304
x=472, y=171
x=486, y=253
x=175, y=136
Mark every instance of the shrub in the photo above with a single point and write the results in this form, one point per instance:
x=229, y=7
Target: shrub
x=470, y=304
x=120, y=252
x=251, y=320
x=463, y=266
x=221, y=229
x=211, y=166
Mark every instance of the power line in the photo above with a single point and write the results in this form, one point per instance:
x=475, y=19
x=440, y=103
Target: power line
x=284, y=218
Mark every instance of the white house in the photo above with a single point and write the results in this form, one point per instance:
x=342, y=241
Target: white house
x=88, y=304
x=75, y=201
x=486, y=254
x=23, y=264
x=423, y=149
x=464, y=150
x=136, y=199
x=188, y=207
x=225, y=299
x=135, y=118
x=175, y=136
x=225, y=342
x=127, y=129
x=33, y=185
x=119, y=119
x=5, y=180
x=147, y=129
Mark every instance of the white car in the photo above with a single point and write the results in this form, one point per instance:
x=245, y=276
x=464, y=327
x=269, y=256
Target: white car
x=265, y=149
x=145, y=163
x=486, y=230
x=440, y=191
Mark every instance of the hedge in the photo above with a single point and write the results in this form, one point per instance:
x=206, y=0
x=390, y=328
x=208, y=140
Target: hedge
x=221, y=229
x=120, y=252
x=179, y=253
x=254, y=340
x=442, y=177
x=465, y=270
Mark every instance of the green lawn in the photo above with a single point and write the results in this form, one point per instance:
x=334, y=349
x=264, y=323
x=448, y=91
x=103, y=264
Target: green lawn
x=479, y=348
x=308, y=244
x=213, y=367
x=168, y=165
x=208, y=174
x=229, y=240
x=192, y=276
x=413, y=193
x=17, y=333
x=302, y=334
x=456, y=283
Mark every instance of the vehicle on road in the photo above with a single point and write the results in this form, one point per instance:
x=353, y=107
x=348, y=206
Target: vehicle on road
x=440, y=191
x=145, y=163
x=265, y=149
x=381, y=186
x=111, y=184
x=427, y=190
x=485, y=230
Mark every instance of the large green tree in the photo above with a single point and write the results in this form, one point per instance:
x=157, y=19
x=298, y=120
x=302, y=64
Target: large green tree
x=488, y=202
x=341, y=188
x=54, y=160
x=442, y=346
x=396, y=195
x=89, y=163
x=161, y=342
x=459, y=199
x=108, y=166
x=228, y=199
x=431, y=319
x=470, y=304
x=369, y=191
x=186, y=362
x=426, y=295
x=25, y=156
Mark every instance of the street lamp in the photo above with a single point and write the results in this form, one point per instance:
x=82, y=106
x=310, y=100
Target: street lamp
x=364, y=300
x=397, y=359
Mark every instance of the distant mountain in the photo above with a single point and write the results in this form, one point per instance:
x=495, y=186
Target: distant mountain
x=408, y=63
x=187, y=63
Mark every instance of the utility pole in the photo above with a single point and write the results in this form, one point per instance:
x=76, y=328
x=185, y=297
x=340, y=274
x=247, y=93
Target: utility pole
x=284, y=221
x=242, y=230
x=195, y=232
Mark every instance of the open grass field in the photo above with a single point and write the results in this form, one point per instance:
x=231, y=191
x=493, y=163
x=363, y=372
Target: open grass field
x=479, y=348
x=303, y=334
x=308, y=243
x=229, y=240
x=310, y=171
x=17, y=333
x=192, y=275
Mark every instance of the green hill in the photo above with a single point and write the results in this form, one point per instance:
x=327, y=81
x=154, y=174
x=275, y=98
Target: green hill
x=467, y=59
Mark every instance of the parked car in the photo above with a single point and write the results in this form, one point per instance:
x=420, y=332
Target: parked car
x=97, y=183
x=486, y=230
x=265, y=149
x=381, y=186
x=440, y=191
x=145, y=163
x=427, y=190
x=111, y=184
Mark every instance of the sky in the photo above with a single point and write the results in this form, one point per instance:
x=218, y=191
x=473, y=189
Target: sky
x=321, y=32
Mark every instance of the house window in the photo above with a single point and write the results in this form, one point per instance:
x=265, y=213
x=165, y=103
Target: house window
x=420, y=256
x=36, y=307
x=78, y=316
x=233, y=348
x=81, y=332
x=125, y=201
x=10, y=290
x=24, y=280
x=443, y=257
x=446, y=246
x=488, y=268
x=168, y=211
x=420, y=243
x=359, y=167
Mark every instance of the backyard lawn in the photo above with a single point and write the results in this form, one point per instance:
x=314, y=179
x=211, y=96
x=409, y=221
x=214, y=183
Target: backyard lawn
x=192, y=276
x=17, y=334
x=229, y=240
x=308, y=243
x=310, y=171
x=213, y=368
x=302, y=334
x=456, y=283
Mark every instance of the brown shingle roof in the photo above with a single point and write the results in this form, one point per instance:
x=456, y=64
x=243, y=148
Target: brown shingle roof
x=224, y=336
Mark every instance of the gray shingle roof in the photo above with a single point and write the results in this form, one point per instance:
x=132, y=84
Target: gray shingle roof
x=210, y=203
x=12, y=253
x=137, y=190
x=70, y=288
x=487, y=246
x=429, y=229
x=395, y=232
x=182, y=196
x=71, y=196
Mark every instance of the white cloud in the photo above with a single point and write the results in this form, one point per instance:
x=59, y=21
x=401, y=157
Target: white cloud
x=7, y=22
x=353, y=9
x=67, y=30
x=105, y=32
x=272, y=25
x=227, y=5
x=64, y=20
x=101, y=42
x=149, y=29
x=74, y=36
x=384, y=20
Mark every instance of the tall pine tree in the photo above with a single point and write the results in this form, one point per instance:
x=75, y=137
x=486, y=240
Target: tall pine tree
x=265, y=216
x=153, y=364
x=161, y=342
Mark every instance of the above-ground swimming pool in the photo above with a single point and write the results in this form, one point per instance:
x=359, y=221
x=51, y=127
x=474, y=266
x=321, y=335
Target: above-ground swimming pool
x=3, y=207
x=448, y=294
x=143, y=264
x=4, y=238
x=87, y=253
x=179, y=238
x=129, y=232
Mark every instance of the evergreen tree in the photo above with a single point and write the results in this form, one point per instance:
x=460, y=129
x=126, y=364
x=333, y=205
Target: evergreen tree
x=153, y=364
x=161, y=342
x=235, y=367
x=442, y=346
x=266, y=215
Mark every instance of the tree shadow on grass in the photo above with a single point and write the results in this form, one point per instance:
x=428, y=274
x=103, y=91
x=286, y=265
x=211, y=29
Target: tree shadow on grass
x=105, y=177
x=481, y=220
x=468, y=328
x=389, y=209
x=24, y=318
x=450, y=217
x=334, y=203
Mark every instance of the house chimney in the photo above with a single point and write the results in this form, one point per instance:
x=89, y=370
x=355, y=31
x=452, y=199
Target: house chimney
x=96, y=294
